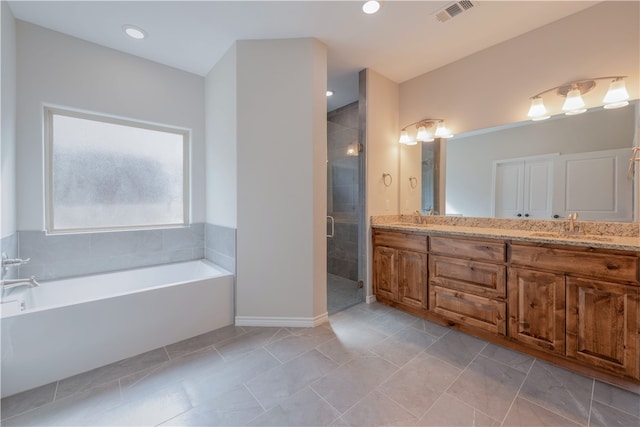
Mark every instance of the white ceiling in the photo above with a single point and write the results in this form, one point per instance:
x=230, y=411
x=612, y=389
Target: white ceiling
x=401, y=41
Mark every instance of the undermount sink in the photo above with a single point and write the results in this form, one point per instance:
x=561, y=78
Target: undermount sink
x=572, y=236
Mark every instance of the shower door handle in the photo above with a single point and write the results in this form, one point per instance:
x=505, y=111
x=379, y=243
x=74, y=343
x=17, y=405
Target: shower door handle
x=333, y=226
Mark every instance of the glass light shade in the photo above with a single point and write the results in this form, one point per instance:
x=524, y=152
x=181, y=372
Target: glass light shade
x=617, y=95
x=404, y=138
x=371, y=7
x=574, y=104
x=424, y=135
x=537, y=111
x=442, y=131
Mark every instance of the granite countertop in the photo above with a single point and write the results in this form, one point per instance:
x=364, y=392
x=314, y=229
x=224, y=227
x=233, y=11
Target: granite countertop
x=631, y=243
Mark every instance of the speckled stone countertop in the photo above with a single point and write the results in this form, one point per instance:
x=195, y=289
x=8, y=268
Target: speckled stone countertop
x=606, y=235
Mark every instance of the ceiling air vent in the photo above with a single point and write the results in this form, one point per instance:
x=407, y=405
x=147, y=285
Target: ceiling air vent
x=454, y=9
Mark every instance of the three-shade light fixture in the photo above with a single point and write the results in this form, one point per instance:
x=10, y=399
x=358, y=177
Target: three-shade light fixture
x=616, y=97
x=424, y=131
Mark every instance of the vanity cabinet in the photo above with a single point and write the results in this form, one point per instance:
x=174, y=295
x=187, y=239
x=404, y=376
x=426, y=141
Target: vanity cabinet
x=467, y=282
x=577, y=302
x=602, y=325
x=537, y=309
x=400, y=268
x=574, y=305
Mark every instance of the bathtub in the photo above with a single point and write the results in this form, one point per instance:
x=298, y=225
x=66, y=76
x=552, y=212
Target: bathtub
x=65, y=327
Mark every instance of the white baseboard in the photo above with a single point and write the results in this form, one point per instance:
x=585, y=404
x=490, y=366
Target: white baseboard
x=283, y=322
x=371, y=299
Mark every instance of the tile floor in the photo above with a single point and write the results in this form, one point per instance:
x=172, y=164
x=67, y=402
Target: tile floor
x=342, y=293
x=370, y=365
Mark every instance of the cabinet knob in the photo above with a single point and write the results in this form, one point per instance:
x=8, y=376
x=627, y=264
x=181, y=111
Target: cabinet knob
x=519, y=215
x=527, y=215
x=556, y=216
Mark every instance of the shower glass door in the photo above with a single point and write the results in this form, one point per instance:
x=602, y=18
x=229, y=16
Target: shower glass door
x=343, y=209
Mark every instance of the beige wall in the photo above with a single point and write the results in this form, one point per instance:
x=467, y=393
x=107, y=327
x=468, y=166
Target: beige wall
x=221, y=148
x=8, y=123
x=381, y=150
x=492, y=87
x=60, y=70
x=281, y=149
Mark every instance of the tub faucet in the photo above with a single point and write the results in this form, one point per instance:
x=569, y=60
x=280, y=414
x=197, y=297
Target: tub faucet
x=14, y=283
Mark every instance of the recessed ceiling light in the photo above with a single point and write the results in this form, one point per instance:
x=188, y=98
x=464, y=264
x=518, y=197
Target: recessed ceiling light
x=134, y=32
x=371, y=7
x=329, y=93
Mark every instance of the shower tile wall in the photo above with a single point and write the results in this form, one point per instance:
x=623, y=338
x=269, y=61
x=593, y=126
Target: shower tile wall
x=342, y=190
x=220, y=246
x=9, y=246
x=67, y=255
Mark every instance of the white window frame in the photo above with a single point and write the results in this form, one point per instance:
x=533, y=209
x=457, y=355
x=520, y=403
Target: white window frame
x=50, y=111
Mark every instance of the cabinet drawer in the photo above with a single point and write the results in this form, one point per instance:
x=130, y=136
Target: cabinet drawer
x=592, y=264
x=472, y=249
x=479, y=278
x=471, y=310
x=414, y=242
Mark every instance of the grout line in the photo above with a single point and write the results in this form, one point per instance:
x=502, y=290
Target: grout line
x=256, y=399
x=167, y=353
x=325, y=400
x=615, y=408
x=513, y=401
x=593, y=388
x=55, y=393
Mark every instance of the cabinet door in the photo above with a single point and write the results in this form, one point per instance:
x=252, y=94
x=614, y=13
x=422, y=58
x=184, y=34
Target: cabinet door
x=385, y=273
x=412, y=278
x=536, y=308
x=602, y=325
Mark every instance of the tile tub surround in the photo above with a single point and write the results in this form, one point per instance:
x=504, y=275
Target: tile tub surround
x=607, y=235
x=66, y=255
x=370, y=365
x=220, y=246
x=9, y=246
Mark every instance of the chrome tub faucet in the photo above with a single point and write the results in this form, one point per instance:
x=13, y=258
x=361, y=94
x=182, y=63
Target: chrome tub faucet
x=14, y=283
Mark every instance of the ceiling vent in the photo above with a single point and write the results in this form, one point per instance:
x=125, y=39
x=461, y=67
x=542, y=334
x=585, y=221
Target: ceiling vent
x=454, y=9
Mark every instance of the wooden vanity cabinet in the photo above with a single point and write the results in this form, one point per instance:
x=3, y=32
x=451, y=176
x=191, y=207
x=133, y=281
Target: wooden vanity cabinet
x=537, y=308
x=602, y=325
x=467, y=282
x=574, y=305
x=577, y=302
x=400, y=268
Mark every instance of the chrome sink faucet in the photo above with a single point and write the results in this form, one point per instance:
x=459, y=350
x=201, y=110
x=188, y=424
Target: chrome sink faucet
x=14, y=283
x=419, y=219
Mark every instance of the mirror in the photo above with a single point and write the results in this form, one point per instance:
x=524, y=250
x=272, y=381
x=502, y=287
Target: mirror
x=529, y=169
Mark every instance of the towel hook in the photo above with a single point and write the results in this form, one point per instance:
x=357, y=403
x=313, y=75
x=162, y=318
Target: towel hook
x=384, y=179
x=413, y=181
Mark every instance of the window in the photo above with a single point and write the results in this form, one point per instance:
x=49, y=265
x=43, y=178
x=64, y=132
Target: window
x=105, y=173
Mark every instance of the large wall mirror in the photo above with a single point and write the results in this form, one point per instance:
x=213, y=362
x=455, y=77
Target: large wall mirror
x=540, y=170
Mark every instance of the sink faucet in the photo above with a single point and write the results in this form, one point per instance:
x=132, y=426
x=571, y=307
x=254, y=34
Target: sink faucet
x=418, y=218
x=14, y=283
x=572, y=222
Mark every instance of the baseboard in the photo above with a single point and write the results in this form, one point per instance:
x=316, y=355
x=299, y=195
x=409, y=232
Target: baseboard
x=370, y=299
x=283, y=322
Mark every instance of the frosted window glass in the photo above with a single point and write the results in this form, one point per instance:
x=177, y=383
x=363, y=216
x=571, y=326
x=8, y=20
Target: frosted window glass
x=107, y=175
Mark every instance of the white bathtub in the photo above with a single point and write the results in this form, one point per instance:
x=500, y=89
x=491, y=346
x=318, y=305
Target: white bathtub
x=73, y=325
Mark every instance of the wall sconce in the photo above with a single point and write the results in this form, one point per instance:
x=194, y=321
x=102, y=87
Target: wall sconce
x=616, y=97
x=424, y=135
